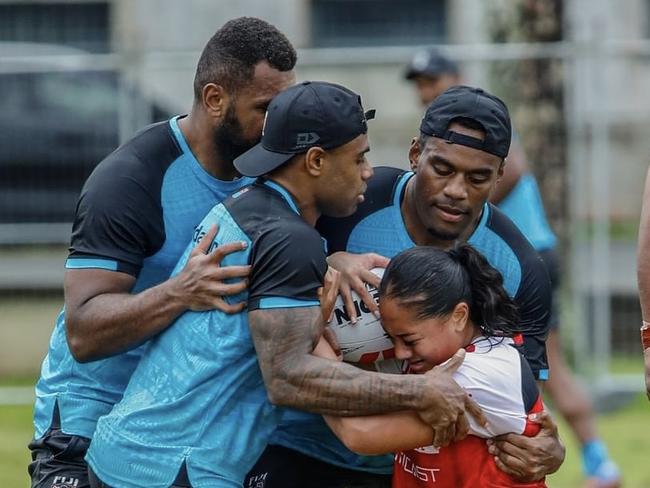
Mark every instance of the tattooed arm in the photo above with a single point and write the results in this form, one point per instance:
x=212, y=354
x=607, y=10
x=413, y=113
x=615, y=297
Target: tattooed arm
x=284, y=339
x=285, y=322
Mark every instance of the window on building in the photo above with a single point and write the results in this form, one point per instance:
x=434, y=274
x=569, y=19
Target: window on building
x=81, y=25
x=337, y=23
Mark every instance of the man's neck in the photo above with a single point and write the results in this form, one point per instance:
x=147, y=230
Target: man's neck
x=301, y=196
x=200, y=139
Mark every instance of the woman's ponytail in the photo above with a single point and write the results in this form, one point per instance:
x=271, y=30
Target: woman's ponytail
x=491, y=307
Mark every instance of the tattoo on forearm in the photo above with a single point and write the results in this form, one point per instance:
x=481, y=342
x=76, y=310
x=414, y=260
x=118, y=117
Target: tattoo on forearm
x=284, y=339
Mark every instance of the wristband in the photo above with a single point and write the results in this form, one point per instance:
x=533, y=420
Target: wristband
x=645, y=335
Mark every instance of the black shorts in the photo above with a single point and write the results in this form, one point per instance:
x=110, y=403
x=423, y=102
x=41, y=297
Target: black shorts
x=279, y=467
x=58, y=461
x=551, y=260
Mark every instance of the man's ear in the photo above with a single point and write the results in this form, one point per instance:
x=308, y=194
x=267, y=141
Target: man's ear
x=315, y=159
x=215, y=100
x=414, y=154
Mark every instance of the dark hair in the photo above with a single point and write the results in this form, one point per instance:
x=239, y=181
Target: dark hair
x=230, y=56
x=433, y=282
x=462, y=121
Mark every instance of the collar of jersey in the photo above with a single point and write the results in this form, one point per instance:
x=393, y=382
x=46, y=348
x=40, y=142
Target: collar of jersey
x=484, y=344
x=196, y=166
x=284, y=193
x=397, y=207
x=482, y=222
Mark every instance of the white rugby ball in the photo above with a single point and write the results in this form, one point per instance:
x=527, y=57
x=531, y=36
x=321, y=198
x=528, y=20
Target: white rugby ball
x=365, y=341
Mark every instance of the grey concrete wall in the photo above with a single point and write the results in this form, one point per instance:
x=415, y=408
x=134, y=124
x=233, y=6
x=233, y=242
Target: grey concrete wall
x=170, y=25
x=145, y=29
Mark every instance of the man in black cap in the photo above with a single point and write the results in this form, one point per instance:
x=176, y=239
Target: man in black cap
x=432, y=74
x=456, y=162
x=518, y=196
x=196, y=409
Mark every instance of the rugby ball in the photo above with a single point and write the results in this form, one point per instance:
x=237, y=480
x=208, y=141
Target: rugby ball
x=365, y=341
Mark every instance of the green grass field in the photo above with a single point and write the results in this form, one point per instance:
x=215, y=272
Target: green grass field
x=15, y=434
x=626, y=431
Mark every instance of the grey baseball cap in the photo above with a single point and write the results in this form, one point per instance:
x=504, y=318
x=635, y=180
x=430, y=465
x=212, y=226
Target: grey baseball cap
x=430, y=62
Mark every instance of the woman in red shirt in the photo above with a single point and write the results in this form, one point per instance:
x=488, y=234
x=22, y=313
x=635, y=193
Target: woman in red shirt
x=432, y=303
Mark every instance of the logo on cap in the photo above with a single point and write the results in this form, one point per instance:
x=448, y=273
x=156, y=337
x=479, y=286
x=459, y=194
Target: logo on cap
x=306, y=138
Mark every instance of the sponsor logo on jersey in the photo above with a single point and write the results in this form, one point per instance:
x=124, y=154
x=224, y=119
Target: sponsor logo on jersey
x=199, y=234
x=418, y=472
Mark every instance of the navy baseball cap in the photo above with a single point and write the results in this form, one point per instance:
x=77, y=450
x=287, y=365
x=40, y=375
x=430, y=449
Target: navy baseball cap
x=430, y=62
x=312, y=113
x=475, y=104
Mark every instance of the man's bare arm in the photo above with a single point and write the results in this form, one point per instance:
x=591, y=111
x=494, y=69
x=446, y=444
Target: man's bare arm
x=284, y=340
x=376, y=434
x=103, y=318
x=643, y=271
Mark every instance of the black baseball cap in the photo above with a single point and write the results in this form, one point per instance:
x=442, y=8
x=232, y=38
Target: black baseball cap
x=475, y=104
x=312, y=113
x=430, y=62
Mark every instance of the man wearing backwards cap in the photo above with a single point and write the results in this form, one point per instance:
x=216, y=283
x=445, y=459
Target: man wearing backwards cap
x=518, y=196
x=196, y=411
x=456, y=162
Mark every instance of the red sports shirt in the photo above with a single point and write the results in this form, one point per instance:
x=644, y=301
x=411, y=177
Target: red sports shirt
x=501, y=382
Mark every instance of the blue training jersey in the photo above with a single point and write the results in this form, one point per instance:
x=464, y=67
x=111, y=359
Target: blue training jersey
x=524, y=206
x=135, y=215
x=197, y=396
x=378, y=227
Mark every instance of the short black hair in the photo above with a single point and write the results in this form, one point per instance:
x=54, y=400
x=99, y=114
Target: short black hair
x=230, y=56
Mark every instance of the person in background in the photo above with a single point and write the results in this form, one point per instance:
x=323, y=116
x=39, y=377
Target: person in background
x=518, y=196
